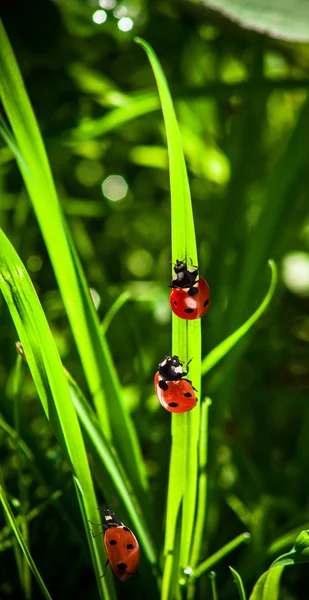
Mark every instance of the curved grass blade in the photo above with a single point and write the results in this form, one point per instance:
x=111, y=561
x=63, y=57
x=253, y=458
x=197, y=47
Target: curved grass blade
x=116, y=306
x=47, y=373
x=109, y=458
x=23, y=545
x=217, y=556
x=222, y=349
x=239, y=584
x=186, y=341
x=92, y=346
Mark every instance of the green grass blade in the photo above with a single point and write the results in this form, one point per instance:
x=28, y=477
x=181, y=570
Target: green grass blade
x=22, y=543
x=47, y=373
x=108, y=457
x=217, y=556
x=116, y=306
x=213, y=579
x=93, y=349
x=199, y=530
x=222, y=349
x=186, y=336
x=239, y=584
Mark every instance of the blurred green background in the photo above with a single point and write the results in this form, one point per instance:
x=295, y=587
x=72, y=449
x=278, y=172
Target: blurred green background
x=241, y=100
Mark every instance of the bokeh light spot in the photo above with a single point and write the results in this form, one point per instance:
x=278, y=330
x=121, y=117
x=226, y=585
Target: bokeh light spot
x=120, y=11
x=125, y=24
x=34, y=263
x=107, y=4
x=114, y=187
x=99, y=17
x=295, y=273
x=89, y=172
x=139, y=262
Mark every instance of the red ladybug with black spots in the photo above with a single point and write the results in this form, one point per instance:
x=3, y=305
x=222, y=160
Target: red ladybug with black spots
x=190, y=297
x=121, y=546
x=175, y=393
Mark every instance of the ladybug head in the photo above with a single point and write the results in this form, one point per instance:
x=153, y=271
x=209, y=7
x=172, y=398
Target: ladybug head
x=110, y=518
x=180, y=266
x=171, y=368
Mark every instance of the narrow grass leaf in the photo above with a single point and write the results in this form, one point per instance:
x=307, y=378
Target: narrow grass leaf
x=23, y=545
x=220, y=554
x=222, y=349
x=93, y=349
x=47, y=373
x=239, y=584
x=186, y=336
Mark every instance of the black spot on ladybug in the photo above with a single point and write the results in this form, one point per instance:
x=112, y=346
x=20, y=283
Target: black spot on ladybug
x=187, y=395
x=206, y=303
x=189, y=310
x=163, y=385
x=193, y=291
x=173, y=404
x=112, y=542
x=122, y=566
x=126, y=529
x=175, y=303
x=129, y=546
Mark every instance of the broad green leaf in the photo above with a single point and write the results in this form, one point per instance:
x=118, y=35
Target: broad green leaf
x=239, y=584
x=22, y=543
x=222, y=349
x=186, y=342
x=299, y=553
x=267, y=586
x=51, y=385
x=277, y=18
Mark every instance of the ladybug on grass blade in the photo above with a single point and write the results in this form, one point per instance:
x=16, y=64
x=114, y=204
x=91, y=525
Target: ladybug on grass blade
x=190, y=297
x=121, y=546
x=175, y=393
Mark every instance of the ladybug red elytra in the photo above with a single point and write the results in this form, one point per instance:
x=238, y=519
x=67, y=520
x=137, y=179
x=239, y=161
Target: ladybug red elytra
x=121, y=546
x=175, y=393
x=190, y=297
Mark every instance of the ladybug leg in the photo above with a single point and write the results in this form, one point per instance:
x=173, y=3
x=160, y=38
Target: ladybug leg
x=98, y=525
x=187, y=367
x=188, y=380
x=105, y=567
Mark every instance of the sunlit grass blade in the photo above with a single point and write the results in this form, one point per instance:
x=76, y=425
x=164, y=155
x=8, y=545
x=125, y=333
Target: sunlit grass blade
x=116, y=306
x=108, y=457
x=52, y=387
x=199, y=529
x=213, y=581
x=22, y=543
x=93, y=349
x=267, y=586
x=186, y=336
x=220, y=554
x=239, y=584
x=222, y=349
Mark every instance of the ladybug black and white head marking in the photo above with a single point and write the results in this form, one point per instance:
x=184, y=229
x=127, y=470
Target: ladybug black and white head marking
x=170, y=368
x=184, y=278
x=111, y=519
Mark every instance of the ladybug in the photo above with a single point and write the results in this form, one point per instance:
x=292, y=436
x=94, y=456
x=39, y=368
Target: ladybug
x=121, y=546
x=175, y=393
x=190, y=297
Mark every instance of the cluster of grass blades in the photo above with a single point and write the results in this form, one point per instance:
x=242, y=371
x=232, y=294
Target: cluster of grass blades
x=105, y=427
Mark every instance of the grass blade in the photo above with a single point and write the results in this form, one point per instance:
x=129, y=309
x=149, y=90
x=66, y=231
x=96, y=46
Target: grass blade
x=267, y=586
x=222, y=349
x=239, y=584
x=217, y=556
x=23, y=545
x=186, y=338
x=47, y=373
x=93, y=349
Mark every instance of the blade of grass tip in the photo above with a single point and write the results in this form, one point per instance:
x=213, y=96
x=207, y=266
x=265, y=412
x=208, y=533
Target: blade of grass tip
x=202, y=485
x=239, y=584
x=213, y=581
x=186, y=335
x=111, y=313
x=222, y=349
x=92, y=346
x=220, y=554
x=49, y=378
x=22, y=543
